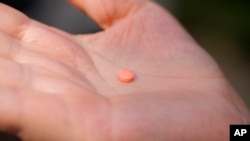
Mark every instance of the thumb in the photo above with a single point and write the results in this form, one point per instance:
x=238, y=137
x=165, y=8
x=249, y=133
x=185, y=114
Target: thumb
x=108, y=12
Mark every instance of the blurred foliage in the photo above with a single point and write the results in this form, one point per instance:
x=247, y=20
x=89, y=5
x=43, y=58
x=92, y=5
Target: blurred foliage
x=228, y=16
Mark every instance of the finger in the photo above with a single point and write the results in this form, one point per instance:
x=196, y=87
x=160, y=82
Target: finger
x=12, y=20
x=9, y=112
x=135, y=18
x=38, y=76
x=25, y=113
x=20, y=27
x=56, y=43
x=8, y=46
x=17, y=59
x=108, y=12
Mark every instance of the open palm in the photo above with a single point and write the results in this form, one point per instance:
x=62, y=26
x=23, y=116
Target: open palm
x=60, y=87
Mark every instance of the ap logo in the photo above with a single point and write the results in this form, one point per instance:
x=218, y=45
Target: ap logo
x=239, y=132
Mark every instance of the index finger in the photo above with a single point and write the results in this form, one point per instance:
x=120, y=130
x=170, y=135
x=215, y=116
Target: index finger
x=12, y=20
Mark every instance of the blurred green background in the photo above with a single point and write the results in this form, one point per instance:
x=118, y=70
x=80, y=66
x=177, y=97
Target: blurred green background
x=223, y=29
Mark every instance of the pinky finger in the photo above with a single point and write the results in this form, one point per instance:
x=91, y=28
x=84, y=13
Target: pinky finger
x=10, y=111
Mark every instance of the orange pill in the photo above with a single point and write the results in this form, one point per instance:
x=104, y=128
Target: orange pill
x=126, y=76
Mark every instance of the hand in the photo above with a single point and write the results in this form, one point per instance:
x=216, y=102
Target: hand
x=60, y=87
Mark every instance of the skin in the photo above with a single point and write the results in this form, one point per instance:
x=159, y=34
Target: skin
x=56, y=86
